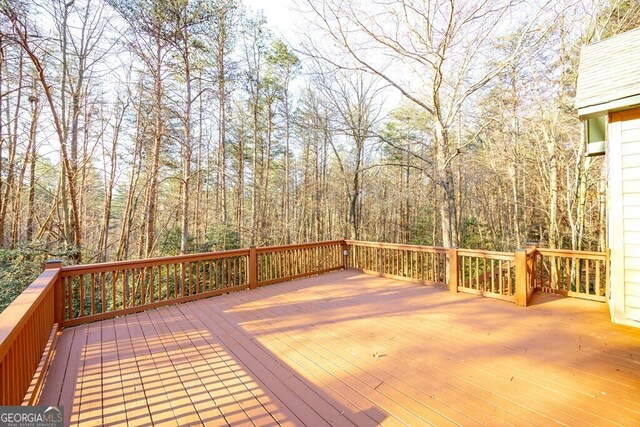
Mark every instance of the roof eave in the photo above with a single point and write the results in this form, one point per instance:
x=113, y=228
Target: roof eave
x=625, y=103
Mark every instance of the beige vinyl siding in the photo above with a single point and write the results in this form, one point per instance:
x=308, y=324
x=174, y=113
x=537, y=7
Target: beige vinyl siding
x=632, y=263
x=633, y=313
x=630, y=126
x=631, y=147
x=630, y=224
x=631, y=278
x=631, y=200
x=632, y=236
x=631, y=174
x=630, y=186
x=631, y=161
x=629, y=137
x=633, y=301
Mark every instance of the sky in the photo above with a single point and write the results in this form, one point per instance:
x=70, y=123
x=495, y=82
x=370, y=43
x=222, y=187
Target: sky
x=280, y=14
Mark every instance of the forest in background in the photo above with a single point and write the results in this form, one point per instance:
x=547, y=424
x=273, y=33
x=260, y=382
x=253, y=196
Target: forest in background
x=138, y=128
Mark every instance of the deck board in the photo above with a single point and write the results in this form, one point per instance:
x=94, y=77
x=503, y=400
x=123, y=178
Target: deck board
x=358, y=358
x=351, y=349
x=134, y=406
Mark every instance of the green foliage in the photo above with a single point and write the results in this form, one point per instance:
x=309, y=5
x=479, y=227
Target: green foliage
x=220, y=237
x=282, y=57
x=474, y=235
x=408, y=128
x=422, y=231
x=170, y=241
x=18, y=269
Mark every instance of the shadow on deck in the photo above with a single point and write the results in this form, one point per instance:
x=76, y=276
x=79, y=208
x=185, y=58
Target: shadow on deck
x=350, y=349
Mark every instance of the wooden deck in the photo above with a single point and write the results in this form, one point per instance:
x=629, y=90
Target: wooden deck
x=351, y=349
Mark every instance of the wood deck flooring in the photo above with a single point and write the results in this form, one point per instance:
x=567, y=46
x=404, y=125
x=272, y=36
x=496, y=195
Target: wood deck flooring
x=348, y=349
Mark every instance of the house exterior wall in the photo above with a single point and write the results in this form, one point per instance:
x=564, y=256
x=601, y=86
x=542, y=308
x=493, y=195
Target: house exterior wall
x=623, y=169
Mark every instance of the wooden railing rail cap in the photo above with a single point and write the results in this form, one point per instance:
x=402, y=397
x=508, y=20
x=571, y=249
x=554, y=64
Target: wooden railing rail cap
x=263, y=249
x=506, y=256
x=71, y=270
x=569, y=253
x=438, y=249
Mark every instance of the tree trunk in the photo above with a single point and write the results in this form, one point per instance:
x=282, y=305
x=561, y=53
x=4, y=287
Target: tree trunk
x=31, y=212
x=12, y=137
x=187, y=151
x=28, y=160
x=447, y=184
x=240, y=185
x=254, y=192
x=197, y=214
x=286, y=202
x=266, y=166
x=152, y=193
x=222, y=131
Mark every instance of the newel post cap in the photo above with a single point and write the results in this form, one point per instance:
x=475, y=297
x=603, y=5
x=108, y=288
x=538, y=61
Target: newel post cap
x=53, y=263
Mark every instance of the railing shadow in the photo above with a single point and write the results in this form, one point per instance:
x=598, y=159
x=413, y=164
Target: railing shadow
x=187, y=365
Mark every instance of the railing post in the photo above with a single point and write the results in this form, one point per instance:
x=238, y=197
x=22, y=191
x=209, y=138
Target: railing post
x=344, y=249
x=521, y=277
x=453, y=274
x=532, y=249
x=58, y=305
x=253, y=267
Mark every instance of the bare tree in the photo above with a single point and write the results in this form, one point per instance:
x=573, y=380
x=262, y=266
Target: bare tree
x=148, y=19
x=354, y=98
x=440, y=49
x=20, y=33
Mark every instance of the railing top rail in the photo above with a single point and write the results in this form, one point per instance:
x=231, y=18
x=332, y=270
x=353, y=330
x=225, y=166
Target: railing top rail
x=18, y=312
x=438, y=249
x=264, y=249
x=568, y=253
x=74, y=270
x=505, y=256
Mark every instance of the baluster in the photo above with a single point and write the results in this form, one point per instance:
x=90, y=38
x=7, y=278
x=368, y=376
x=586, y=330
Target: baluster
x=587, y=288
x=93, y=293
x=114, y=280
x=598, y=287
x=103, y=291
x=69, y=287
x=81, y=289
x=493, y=279
x=143, y=285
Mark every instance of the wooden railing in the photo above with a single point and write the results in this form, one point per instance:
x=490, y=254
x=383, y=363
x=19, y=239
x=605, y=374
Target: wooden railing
x=501, y=275
x=281, y=263
x=486, y=273
x=427, y=264
x=28, y=327
x=573, y=273
x=100, y=291
x=71, y=295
